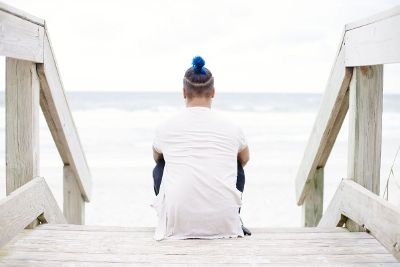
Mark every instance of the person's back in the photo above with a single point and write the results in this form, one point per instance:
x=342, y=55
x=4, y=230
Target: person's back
x=198, y=197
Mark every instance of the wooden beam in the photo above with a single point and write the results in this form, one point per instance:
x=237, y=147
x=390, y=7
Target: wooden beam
x=21, y=14
x=395, y=11
x=22, y=123
x=365, y=127
x=20, y=38
x=337, y=125
x=32, y=200
x=59, y=119
x=330, y=117
x=379, y=217
x=374, y=43
x=74, y=205
x=314, y=202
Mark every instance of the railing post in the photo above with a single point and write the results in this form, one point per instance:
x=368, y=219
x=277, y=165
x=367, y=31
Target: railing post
x=74, y=204
x=313, y=203
x=22, y=123
x=365, y=129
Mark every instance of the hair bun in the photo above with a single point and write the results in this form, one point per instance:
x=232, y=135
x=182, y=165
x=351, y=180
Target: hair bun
x=198, y=65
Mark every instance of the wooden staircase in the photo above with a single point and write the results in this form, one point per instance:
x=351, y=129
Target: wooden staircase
x=76, y=245
x=35, y=232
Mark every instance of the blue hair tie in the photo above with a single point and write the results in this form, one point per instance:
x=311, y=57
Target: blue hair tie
x=198, y=65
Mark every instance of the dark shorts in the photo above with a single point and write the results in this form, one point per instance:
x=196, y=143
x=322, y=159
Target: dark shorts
x=159, y=170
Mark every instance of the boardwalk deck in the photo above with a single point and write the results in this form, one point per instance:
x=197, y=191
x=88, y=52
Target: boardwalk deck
x=50, y=245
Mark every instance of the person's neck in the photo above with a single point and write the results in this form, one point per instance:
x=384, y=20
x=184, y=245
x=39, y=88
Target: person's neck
x=199, y=102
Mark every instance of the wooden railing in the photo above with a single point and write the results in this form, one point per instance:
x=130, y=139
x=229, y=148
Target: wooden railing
x=355, y=85
x=374, y=214
x=31, y=201
x=33, y=80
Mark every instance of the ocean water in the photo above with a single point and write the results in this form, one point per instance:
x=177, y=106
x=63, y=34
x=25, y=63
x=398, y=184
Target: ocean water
x=116, y=130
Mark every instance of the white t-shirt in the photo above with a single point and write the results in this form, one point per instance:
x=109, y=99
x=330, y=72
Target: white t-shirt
x=198, y=196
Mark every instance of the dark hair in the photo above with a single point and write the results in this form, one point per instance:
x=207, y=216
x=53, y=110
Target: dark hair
x=198, y=80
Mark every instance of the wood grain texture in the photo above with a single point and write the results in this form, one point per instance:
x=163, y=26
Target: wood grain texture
x=375, y=43
x=85, y=228
x=22, y=123
x=378, y=216
x=72, y=244
x=32, y=263
x=365, y=127
x=74, y=205
x=365, y=130
x=54, y=104
x=24, y=205
x=330, y=117
x=314, y=203
x=20, y=38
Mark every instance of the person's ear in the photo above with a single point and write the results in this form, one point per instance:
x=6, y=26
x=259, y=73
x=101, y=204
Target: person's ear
x=213, y=93
x=184, y=93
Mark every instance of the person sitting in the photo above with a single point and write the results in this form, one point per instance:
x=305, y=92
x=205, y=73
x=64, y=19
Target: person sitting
x=199, y=176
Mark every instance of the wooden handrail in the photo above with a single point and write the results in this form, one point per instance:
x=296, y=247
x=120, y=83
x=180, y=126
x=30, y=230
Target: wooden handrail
x=25, y=37
x=374, y=40
x=21, y=14
x=25, y=42
x=371, y=41
x=21, y=35
x=376, y=215
x=330, y=117
x=29, y=202
x=56, y=110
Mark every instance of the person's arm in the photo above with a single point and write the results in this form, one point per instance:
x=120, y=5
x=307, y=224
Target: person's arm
x=244, y=156
x=156, y=155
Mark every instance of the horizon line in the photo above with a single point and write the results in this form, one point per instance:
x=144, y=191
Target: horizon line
x=223, y=92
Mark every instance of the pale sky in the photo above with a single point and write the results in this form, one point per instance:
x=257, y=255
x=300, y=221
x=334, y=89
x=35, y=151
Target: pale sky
x=249, y=45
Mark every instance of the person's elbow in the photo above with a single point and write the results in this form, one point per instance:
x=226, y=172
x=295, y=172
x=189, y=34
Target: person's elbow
x=244, y=156
x=157, y=155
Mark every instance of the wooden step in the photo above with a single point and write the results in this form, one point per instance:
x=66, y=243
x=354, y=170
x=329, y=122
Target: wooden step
x=50, y=245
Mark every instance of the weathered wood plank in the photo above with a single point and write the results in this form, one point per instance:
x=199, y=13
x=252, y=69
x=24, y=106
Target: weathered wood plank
x=337, y=125
x=174, y=258
x=60, y=243
x=74, y=205
x=379, y=217
x=395, y=11
x=128, y=247
x=22, y=123
x=89, y=228
x=20, y=38
x=21, y=14
x=365, y=129
x=239, y=249
x=59, y=119
x=374, y=43
x=314, y=202
x=331, y=114
x=143, y=236
x=138, y=238
x=25, y=204
x=32, y=263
